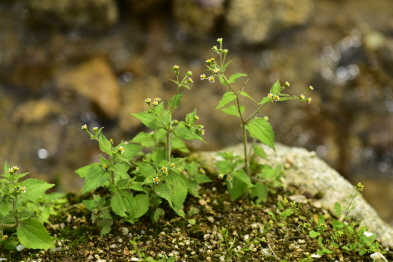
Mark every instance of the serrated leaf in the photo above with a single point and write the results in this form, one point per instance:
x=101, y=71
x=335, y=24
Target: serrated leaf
x=96, y=176
x=35, y=188
x=337, y=209
x=261, y=129
x=175, y=101
x=243, y=93
x=260, y=191
x=145, y=139
x=226, y=98
x=201, y=178
x=149, y=120
x=179, y=144
x=258, y=150
x=122, y=202
x=146, y=169
x=104, y=144
x=32, y=234
x=233, y=77
x=190, y=117
x=130, y=151
x=232, y=110
x=82, y=172
x=187, y=134
x=142, y=205
x=276, y=88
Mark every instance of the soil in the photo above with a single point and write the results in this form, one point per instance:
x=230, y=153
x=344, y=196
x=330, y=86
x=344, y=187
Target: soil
x=215, y=229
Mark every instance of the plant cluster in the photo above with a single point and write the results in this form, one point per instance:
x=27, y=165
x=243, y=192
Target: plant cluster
x=138, y=177
x=139, y=185
x=24, y=207
x=343, y=235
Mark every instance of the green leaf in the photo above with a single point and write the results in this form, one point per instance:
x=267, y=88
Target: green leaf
x=32, y=234
x=175, y=101
x=243, y=93
x=265, y=100
x=226, y=98
x=240, y=183
x=225, y=66
x=261, y=129
x=131, y=150
x=177, y=185
x=190, y=118
x=201, y=178
x=158, y=214
x=162, y=190
x=146, y=170
x=96, y=176
x=276, y=88
x=258, y=150
x=82, y=172
x=142, y=205
x=10, y=243
x=233, y=77
x=232, y=110
x=122, y=202
x=286, y=213
x=35, y=188
x=179, y=144
x=260, y=191
x=145, y=139
x=191, y=221
x=6, y=167
x=186, y=133
x=149, y=120
x=287, y=98
x=313, y=234
x=104, y=144
x=337, y=209
x=237, y=189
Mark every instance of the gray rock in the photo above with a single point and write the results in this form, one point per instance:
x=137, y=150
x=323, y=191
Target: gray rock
x=310, y=173
x=258, y=21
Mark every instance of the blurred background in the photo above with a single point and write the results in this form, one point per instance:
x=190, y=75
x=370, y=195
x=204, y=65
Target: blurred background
x=67, y=63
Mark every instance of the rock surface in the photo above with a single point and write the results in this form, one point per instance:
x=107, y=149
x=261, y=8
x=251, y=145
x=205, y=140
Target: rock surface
x=308, y=172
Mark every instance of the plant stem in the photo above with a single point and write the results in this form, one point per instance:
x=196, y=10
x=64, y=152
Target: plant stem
x=168, y=146
x=243, y=125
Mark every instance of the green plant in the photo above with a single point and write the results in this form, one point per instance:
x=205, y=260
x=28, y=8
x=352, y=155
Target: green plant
x=344, y=233
x=258, y=128
x=137, y=186
x=24, y=207
x=267, y=179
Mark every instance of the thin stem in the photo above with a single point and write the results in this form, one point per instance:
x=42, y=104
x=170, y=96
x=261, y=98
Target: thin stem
x=256, y=112
x=349, y=205
x=168, y=146
x=243, y=125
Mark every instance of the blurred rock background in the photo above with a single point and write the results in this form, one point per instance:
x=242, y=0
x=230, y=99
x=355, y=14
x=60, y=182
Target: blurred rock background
x=66, y=63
